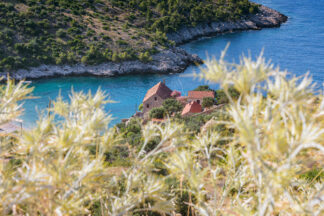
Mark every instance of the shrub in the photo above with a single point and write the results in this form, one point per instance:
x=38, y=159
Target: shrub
x=106, y=37
x=134, y=126
x=121, y=42
x=62, y=59
x=145, y=57
x=221, y=97
x=203, y=88
x=140, y=107
x=93, y=55
x=171, y=106
x=157, y=112
x=208, y=102
x=115, y=57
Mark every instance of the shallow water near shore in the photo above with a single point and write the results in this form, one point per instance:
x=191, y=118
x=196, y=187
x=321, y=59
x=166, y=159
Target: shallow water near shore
x=297, y=46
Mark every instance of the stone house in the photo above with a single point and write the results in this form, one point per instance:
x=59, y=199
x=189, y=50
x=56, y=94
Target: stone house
x=155, y=96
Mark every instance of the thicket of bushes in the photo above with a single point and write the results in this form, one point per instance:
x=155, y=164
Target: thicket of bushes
x=55, y=32
x=65, y=32
x=169, y=107
x=170, y=15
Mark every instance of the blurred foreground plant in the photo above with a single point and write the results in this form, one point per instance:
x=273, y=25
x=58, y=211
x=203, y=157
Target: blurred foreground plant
x=10, y=95
x=59, y=167
x=278, y=134
x=261, y=166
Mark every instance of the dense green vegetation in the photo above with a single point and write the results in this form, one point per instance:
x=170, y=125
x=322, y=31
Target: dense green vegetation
x=208, y=102
x=169, y=107
x=157, y=112
x=95, y=31
x=172, y=106
x=203, y=88
x=169, y=15
x=221, y=97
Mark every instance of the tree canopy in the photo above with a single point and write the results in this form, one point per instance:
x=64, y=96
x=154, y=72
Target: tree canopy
x=171, y=106
x=157, y=112
x=203, y=88
x=208, y=102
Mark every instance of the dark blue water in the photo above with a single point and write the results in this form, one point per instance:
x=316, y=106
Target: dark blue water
x=297, y=46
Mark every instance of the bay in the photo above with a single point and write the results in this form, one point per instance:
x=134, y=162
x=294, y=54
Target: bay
x=298, y=46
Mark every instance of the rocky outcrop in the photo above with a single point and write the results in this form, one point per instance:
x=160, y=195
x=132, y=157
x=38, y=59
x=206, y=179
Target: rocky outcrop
x=173, y=60
x=167, y=61
x=265, y=18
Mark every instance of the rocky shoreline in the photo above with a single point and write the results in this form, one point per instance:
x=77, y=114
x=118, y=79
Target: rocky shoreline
x=173, y=60
x=265, y=18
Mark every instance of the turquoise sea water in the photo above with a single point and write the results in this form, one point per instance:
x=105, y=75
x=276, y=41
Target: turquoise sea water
x=297, y=46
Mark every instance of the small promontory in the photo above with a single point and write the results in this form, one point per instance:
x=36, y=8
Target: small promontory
x=110, y=37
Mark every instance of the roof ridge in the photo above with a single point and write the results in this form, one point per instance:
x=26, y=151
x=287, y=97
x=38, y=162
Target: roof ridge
x=155, y=89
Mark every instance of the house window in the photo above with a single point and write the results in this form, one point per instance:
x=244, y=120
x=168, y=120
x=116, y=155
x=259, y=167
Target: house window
x=155, y=98
x=198, y=101
x=147, y=105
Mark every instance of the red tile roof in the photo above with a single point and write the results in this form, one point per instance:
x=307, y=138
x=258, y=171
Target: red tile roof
x=160, y=89
x=192, y=107
x=200, y=94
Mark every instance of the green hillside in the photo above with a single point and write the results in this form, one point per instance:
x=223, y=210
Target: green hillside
x=34, y=32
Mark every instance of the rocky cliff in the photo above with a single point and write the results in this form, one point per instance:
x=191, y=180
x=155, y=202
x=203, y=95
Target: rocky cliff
x=166, y=61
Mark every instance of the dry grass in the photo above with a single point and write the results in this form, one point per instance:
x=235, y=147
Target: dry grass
x=278, y=136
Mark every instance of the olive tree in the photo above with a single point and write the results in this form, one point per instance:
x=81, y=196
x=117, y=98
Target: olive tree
x=208, y=102
x=171, y=106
